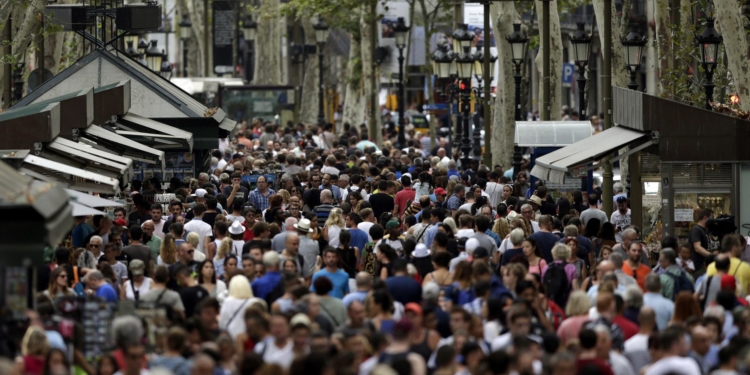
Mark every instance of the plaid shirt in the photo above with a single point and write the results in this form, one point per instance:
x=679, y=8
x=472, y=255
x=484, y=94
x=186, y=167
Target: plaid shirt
x=259, y=200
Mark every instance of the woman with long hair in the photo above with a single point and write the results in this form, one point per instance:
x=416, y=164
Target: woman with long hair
x=138, y=285
x=685, y=307
x=354, y=198
x=333, y=226
x=507, y=193
x=107, y=365
x=462, y=282
x=285, y=196
x=34, y=348
x=492, y=313
x=348, y=256
x=207, y=279
x=606, y=236
x=379, y=308
x=224, y=251
x=441, y=275
x=239, y=299
x=386, y=255
x=580, y=264
x=58, y=284
x=230, y=265
x=512, y=273
x=274, y=204
x=424, y=186
x=563, y=207
x=537, y=265
x=56, y=363
x=168, y=251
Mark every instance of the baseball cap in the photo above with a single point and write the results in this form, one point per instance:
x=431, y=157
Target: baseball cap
x=440, y=191
x=300, y=319
x=120, y=221
x=200, y=193
x=462, y=242
x=137, y=267
x=481, y=252
x=413, y=307
x=391, y=224
x=472, y=244
x=728, y=282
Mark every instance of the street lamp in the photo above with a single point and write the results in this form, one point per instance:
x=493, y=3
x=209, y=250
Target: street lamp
x=186, y=31
x=464, y=66
x=401, y=30
x=153, y=57
x=518, y=45
x=131, y=51
x=249, y=27
x=166, y=68
x=142, y=46
x=321, y=36
x=633, y=43
x=709, y=41
x=581, y=42
x=442, y=61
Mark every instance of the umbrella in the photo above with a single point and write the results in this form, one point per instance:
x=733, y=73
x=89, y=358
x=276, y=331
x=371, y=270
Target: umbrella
x=90, y=200
x=81, y=210
x=364, y=144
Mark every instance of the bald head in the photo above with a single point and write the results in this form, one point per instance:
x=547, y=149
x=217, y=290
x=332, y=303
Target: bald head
x=289, y=223
x=292, y=242
x=364, y=281
x=202, y=365
x=606, y=266
x=326, y=196
x=647, y=317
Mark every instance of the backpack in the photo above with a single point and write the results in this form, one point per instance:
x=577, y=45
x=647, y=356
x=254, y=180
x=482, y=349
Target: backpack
x=681, y=283
x=556, y=283
x=276, y=293
x=370, y=261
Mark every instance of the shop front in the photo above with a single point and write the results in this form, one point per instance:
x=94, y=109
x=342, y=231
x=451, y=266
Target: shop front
x=697, y=164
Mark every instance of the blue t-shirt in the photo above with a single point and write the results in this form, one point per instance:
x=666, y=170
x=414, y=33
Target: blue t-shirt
x=545, y=241
x=340, y=280
x=107, y=293
x=80, y=232
x=359, y=238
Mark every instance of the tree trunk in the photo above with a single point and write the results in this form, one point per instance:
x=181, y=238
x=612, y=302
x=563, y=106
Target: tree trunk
x=354, y=102
x=429, y=25
x=195, y=45
x=619, y=74
x=736, y=46
x=310, y=85
x=555, y=59
x=268, y=51
x=370, y=72
x=504, y=15
x=663, y=43
x=29, y=28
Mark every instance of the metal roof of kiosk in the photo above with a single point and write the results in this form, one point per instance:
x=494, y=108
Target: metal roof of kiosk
x=551, y=133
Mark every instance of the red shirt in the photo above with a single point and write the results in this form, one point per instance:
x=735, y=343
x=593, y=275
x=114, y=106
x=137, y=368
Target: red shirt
x=629, y=329
x=601, y=366
x=406, y=194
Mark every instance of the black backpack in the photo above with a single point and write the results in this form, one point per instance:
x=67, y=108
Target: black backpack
x=681, y=283
x=556, y=283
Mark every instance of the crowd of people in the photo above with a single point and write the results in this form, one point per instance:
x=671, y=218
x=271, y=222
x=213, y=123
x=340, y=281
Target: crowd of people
x=380, y=261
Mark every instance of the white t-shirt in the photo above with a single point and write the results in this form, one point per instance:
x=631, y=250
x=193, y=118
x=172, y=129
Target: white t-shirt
x=202, y=229
x=273, y=354
x=620, y=221
x=465, y=233
x=143, y=289
x=365, y=226
x=687, y=366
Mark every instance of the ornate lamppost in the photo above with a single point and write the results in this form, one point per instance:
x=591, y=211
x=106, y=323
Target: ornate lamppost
x=633, y=43
x=581, y=42
x=321, y=36
x=518, y=46
x=401, y=31
x=709, y=41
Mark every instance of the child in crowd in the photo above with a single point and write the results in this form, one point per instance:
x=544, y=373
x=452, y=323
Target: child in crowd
x=685, y=261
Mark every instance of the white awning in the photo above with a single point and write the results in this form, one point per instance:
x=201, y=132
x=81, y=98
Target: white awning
x=90, y=200
x=139, y=151
x=553, y=166
x=153, y=128
x=77, y=156
x=48, y=170
x=82, y=210
x=227, y=124
x=551, y=133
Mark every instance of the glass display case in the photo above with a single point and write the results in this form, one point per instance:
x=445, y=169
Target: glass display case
x=687, y=204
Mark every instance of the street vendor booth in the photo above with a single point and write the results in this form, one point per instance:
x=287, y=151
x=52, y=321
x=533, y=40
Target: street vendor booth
x=544, y=137
x=701, y=161
x=158, y=115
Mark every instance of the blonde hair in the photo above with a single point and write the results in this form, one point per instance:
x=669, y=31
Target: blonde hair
x=239, y=288
x=168, y=250
x=451, y=223
x=501, y=227
x=34, y=342
x=225, y=247
x=193, y=239
x=578, y=304
x=336, y=218
x=284, y=195
x=560, y=252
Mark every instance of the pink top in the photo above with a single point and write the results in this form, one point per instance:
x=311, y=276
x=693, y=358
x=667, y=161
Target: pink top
x=539, y=268
x=570, y=271
x=570, y=328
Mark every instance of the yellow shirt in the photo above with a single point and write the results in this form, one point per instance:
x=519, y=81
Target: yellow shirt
x=737, y=268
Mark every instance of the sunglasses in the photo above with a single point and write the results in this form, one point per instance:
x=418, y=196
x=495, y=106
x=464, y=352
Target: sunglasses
x=191, y=251
x=63, y=277
x=94, y=245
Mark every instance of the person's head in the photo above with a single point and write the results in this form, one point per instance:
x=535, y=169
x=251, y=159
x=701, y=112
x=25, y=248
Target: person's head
x=603, y=340
x=513, y=273
x=527, y=212
x=94, y=280
x=672, y=340
x=185, y=252
x=95, y=244
x=704, y=215
x=271, y=261
x=667, y=257
x=460, y=319
x=292, y=242
x=206, y=272
x=262, y=183
x=519, y=320
x=629, y=235
x=331, y=257
x=605, y=304
x=516, y=237
x=722, y=263
x=578, y=304
x=248, y=266
x=529, y=248
x=279, y=326
x=58, y=281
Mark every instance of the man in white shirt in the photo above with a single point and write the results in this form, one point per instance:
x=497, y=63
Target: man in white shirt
x=494, y=190
x=636, y=347
x=198, y=226
x=368, y=220
x=158, y=220
x=469, y=247
x=620, y=218
x=675, y=349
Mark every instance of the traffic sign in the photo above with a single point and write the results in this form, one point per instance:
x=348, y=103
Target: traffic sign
x=435, y=107
x=567, y=74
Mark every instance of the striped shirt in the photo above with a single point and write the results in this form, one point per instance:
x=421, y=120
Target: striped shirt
x=322, y=211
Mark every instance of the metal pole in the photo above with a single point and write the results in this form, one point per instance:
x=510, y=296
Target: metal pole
x=374, y=130
x=184, y=58
x=7, y=69
x=546, y=93
x=582, y=92
x=709, y=87
x=487, y=160
x=321, y=114
x=401, y=99
x=477, y=132
x=459, y=119
x=206, y=70
x=465, y=141
x=517, y=153
x=607, y=103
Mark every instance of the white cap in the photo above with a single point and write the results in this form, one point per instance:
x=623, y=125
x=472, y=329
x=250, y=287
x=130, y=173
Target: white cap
x=200, y=193
x=471, y=244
